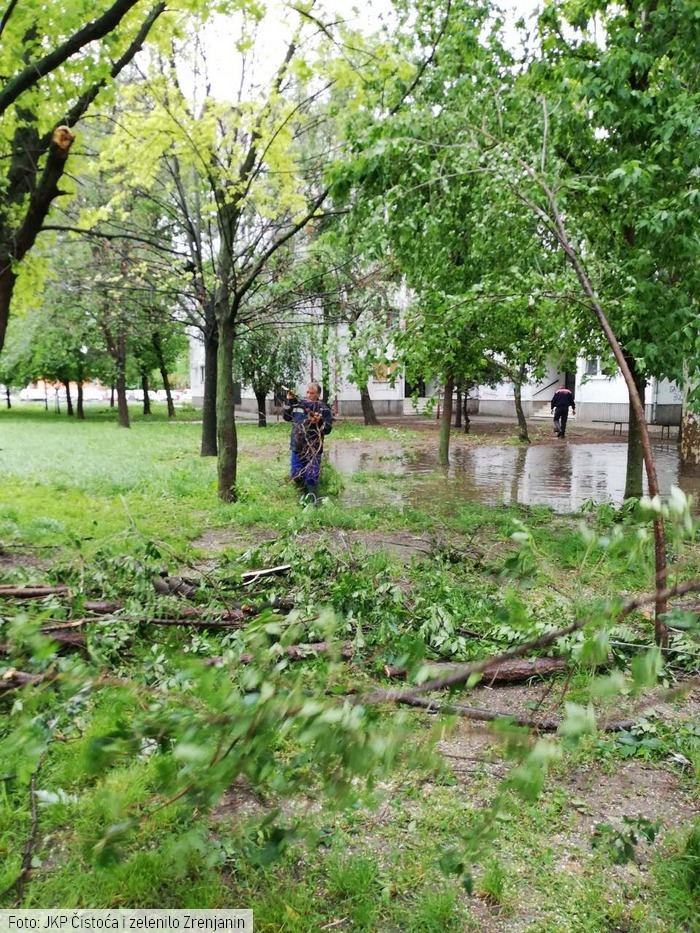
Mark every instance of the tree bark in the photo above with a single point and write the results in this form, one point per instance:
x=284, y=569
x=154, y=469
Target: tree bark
x=122, y=406
x=517, y=392
x=517, y=671
x=14, y=247
x=660, y=629
x=7, y=397
x=690, y=444
x=211, y=350
x=36, y=591
x=465, y=411
x=146, y=396
x=158, y=349
x=446, y=423
x=261, y=402
x=80, y=378
x=227, y=440
x=117, y=350
x=69, y=400
x=458, y=409
x=368, y=412
x=634, y=479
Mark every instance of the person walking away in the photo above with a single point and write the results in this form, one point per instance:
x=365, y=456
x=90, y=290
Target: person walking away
x=311, y=422
x=562, y=400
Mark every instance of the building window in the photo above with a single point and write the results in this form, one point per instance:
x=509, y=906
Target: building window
x=201, y=375
x=593, y=366
x=381, y=372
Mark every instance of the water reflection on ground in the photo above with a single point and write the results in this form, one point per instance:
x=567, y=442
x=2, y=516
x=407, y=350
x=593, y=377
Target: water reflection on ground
x=562, y=476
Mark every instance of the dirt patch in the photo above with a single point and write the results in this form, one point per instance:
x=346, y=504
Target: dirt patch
x=21, y=557
x=590, y=794
x=400, y=545
x=217, y=540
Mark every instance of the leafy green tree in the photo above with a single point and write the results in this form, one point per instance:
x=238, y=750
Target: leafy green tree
x=358, y=297
x=622, y=94
x=54, y=66
x=248, y=180
x=485, y=276
x=571, y=172
x=268, y=357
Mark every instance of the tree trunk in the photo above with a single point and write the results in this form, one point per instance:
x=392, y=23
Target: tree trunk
x=122, y=405
x=23, y=179
x=7, y=286
x=660, y=628
x=7, y=396
x=446, y=423
x=112, y=393
x=158, y=348
x=690, y=443
x=458, y=409
x=69, y=400
x=225, y=414
x=261, y=402
x=80, y=378
x=146, y=396
x=325, y=359
x=368, y=412
x=465, y=411
x=634, y=479
x=517, y=392
x=209, y=404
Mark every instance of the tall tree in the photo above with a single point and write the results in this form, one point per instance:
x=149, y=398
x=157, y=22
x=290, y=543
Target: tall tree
x=245, y=172
x=54, y=65
x=623, y=94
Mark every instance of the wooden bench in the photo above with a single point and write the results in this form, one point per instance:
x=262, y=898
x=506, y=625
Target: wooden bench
x=667, y=429
x=615, y=424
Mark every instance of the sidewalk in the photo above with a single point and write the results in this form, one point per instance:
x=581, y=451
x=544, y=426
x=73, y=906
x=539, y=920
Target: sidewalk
x=535, y=424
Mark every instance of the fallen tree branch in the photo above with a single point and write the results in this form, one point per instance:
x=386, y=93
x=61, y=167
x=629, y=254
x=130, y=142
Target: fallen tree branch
x=505, y=672
x=33, y=591
x=13, y=679
x=28, y=854
x=462, y=672
x=236, y=618
x=66, y=634
x=102, y=607
x=252, y=575
x=182, y=612
x=486, y=715
x=293, y=653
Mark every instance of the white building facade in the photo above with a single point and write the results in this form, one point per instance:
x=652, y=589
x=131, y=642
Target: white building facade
x=598, y=397
x=386, y=385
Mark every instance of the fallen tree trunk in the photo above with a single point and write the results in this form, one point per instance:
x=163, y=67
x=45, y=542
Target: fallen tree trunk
x=501, y=672
x=35, y=591
x=13, y=679
x=233, y=619
x=65, y=634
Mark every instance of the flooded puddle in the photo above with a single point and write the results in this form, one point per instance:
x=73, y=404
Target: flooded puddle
x=562, y=476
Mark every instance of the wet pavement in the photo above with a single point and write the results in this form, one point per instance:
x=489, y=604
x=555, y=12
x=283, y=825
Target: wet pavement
x=559, y=475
